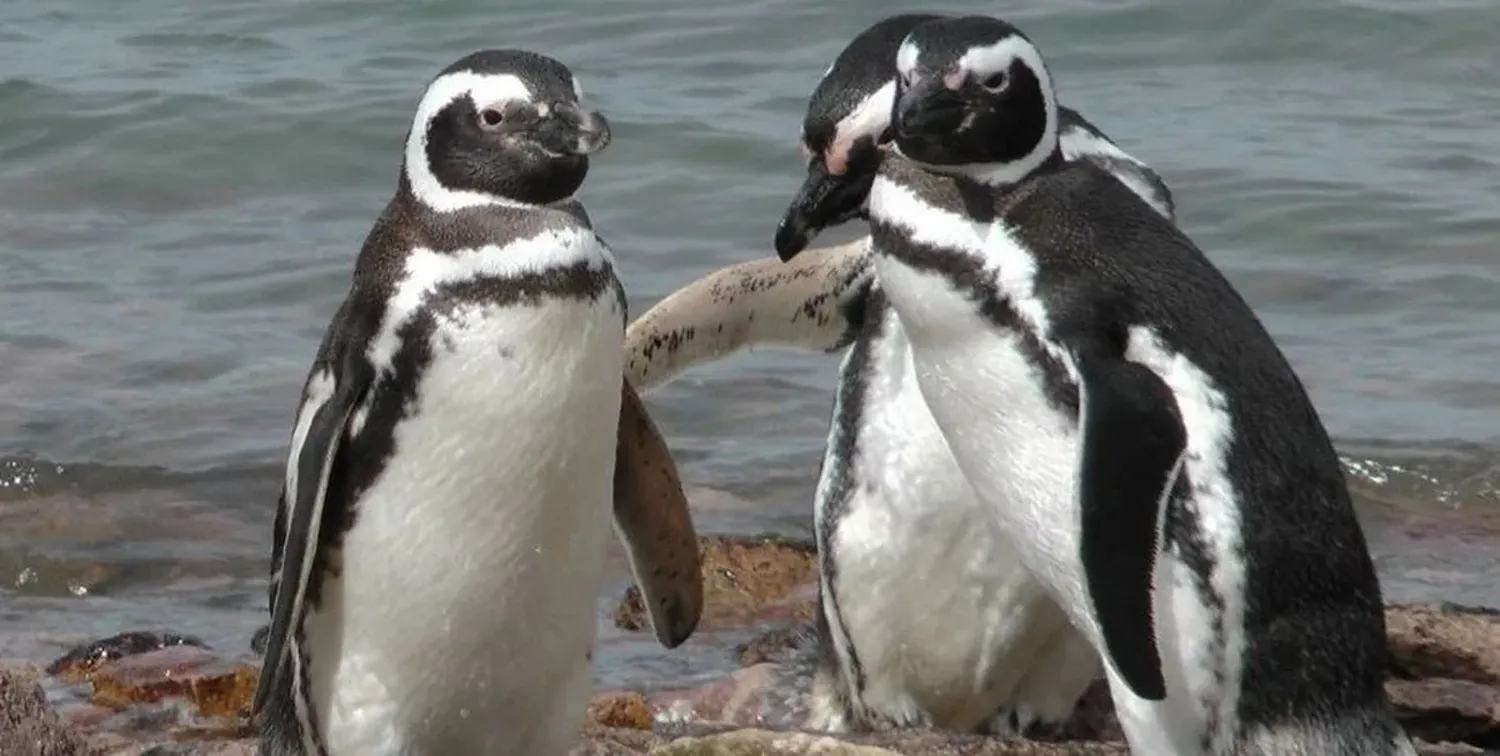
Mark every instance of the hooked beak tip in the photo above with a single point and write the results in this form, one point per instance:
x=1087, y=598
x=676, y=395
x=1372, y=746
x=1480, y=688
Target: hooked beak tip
x=593, y=132
x=792, y=236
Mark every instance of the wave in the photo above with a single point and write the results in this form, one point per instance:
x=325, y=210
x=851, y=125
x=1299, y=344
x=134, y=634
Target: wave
x=1448, y=473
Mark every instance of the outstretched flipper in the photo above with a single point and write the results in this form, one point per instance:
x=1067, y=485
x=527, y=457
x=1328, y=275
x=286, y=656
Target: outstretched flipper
x=1133, y=443
x=814, y=302
x=653, y=522
x=322, y=426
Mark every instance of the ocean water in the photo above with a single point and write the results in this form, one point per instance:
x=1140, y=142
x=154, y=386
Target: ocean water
x=184, y=185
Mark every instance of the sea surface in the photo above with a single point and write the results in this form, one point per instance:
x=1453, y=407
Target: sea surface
x=184, y=185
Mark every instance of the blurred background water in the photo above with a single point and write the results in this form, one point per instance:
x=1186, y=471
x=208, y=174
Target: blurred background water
x=183, y=187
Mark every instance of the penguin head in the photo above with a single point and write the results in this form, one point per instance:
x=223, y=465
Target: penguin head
x=973, y=97
x=501, y=127
x=847, y=123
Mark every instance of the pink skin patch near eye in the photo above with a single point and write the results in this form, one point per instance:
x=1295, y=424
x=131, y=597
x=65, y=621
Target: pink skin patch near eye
x=954, y=80
x=836, y=159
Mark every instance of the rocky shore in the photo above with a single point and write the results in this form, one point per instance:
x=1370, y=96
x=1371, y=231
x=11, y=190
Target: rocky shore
x=154, y=693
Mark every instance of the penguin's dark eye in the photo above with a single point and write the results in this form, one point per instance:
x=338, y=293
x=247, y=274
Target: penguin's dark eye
x=995, y=81
x=490, y=118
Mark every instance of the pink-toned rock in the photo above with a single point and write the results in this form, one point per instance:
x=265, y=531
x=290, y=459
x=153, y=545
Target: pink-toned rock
x=82, y=661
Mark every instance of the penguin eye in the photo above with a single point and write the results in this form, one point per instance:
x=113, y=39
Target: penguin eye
x=489, y=118
x=995, y=81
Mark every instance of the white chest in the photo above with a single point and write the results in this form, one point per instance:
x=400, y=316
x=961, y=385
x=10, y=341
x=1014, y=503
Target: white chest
x=462, y=620
x=931, y=593
x=986, y=393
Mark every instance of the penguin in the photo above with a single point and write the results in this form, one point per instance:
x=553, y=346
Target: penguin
x=464, y=436
x=982, y=647
x=1124, y=418
x=970, y=641
x=848, y=124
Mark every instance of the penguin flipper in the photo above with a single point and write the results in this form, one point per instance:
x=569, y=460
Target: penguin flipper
x=1133, y=443
x=311, y=458
x=653, y=523
x=813, y=303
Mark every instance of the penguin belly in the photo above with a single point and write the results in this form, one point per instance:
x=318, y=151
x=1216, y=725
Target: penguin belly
x=943, y=618
x=1019, y=450
x=461, y=617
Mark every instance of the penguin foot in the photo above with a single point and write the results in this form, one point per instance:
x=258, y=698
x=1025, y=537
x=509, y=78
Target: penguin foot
x=1022, y=722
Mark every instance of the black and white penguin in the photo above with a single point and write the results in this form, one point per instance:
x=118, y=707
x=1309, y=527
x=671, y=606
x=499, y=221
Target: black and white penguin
x=464, y=435
x=970, y=641
x=928, y=617
x=847, y=125
x=1124, y=418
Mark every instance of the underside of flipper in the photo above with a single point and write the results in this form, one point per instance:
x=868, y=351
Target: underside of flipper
x=655, y=526
x=813, y=303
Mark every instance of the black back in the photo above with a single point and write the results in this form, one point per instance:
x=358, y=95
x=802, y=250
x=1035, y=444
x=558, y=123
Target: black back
x=1314, y=617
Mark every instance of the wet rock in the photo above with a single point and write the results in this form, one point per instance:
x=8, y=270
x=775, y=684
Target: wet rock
x=28, y=726
x=779, y=644
x=745, y=579
x=762, y=695
x=259, y=640
x=1448, y=710
x=80, y=663
x=216, y=689
x=619, y=710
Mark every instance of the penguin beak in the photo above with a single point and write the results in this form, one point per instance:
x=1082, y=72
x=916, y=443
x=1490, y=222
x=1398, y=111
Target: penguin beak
x=824, y=200
x=928, y=106
x=570, y=131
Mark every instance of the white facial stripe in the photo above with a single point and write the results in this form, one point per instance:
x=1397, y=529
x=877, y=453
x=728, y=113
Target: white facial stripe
x=484, y=89
x=871, y=116
x=578, y=89
x=906, y=58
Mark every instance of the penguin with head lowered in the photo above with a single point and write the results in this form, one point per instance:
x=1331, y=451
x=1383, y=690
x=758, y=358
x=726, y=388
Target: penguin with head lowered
x=465, y=435
x=1124, y=418
x=928, y=618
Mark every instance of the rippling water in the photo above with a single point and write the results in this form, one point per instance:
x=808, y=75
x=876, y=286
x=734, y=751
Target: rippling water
x=183, y=186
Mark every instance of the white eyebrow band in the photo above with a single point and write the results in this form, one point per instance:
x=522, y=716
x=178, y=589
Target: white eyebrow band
x=484, y=89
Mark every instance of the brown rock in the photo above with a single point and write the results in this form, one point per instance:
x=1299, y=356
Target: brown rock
x=1444, y=640
x=80, y=663
x=28, y=726
x=619, y=710
x=244, y=747
x=1448, y=710
x=609, y=741
x=744, y=579
x=217, y=689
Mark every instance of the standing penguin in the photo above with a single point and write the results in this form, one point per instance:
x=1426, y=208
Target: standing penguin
x=1125, y=419
x=927, y=616
x=464, y=433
